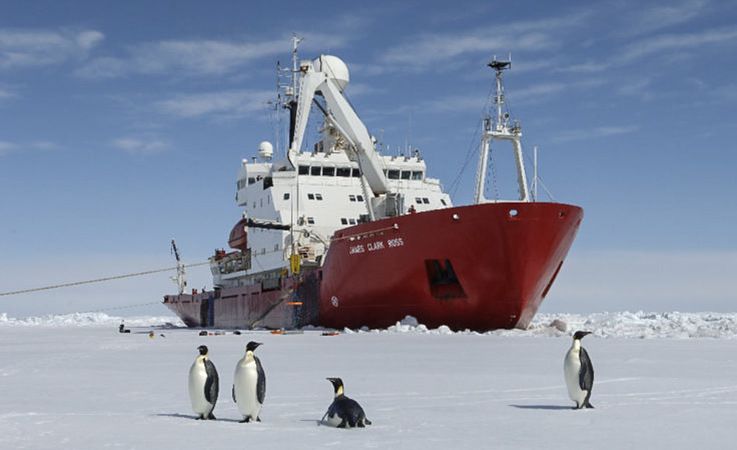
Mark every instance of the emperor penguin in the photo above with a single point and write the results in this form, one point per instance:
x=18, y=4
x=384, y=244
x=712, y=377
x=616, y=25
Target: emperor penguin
x=249, y=384
x=203, y=385
x=344, y=412
x=579, y=372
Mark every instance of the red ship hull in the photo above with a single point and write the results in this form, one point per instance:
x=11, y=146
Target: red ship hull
x=479, y=267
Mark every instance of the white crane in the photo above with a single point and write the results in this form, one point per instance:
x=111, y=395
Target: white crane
x=328, y=76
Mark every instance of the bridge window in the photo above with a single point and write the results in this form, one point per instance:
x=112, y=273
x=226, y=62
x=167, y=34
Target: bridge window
x=406, y=174
x=355, y=173
x=393, y=174
x=315, y=170
x=416, y=174
x=344, y=221
x=251, y=180
x=328, y=171
x=304, y=170
x=343, y=172
x=352, y=221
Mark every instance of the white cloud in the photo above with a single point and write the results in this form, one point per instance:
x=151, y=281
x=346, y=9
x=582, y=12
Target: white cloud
x=649, y=19
x=7, y=147
x=139, y=146
x=225, y=103
x=677, y=42
x=199, y=57
x=34, y=48
x=594, y=133
x=664, y=45
x=10, y=147
x=89, y=39
x=430, y=49
x=43, y=145
x=6, y=94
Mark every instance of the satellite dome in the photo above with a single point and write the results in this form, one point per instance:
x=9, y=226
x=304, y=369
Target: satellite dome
x=335, y=68
x=265, y=150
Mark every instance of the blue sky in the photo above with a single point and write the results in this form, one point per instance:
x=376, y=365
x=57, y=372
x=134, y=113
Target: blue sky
x=122, y=125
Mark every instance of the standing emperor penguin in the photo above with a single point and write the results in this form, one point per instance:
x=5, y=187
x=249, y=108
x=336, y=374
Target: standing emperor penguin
x=249, y=384
x=344, y=412
x=579, y=372
x=203, y=385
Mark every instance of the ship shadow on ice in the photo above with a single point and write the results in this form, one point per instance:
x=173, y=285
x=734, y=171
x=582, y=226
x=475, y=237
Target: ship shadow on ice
x=193, y=417
x=546, y=407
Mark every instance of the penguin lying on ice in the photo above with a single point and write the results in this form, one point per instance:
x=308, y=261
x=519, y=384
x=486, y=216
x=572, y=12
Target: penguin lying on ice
x=249, y=384
x=579, y=372
x=203, y=385
x=344, y=412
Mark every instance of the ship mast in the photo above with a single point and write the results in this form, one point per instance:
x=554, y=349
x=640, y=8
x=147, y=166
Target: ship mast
x=294, y=258
x=181, y=278
x=500, y=129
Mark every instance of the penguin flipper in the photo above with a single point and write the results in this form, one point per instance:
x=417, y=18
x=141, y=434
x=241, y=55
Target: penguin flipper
x=212, y=384
x=233, y=392
x=261, y=383
x=586, y=376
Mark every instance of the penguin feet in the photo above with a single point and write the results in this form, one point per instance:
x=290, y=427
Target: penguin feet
x=258, y=419
x=366, y=421
x=246, y=420
x=588, y=405
x=211, y=417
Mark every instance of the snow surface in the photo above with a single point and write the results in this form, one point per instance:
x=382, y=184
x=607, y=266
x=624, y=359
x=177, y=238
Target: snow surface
x=89, y=387
x=617, y=324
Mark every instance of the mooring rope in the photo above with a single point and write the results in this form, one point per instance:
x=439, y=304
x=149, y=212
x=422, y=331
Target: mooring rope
x=97, y=280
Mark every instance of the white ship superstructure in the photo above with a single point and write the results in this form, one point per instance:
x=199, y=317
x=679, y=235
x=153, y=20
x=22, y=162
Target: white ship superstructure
x=293, y=206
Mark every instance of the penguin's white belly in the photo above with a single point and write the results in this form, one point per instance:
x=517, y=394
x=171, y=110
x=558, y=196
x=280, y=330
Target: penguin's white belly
x=244, y=384
x=197, y=379
x=572, y=369
x=333, y=421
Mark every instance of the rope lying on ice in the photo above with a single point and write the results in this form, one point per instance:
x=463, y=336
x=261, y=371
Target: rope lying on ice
x=98, y=280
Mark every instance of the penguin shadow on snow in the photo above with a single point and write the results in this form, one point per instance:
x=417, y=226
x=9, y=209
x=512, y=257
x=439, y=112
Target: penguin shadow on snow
x=545, y=407
x=192, y=417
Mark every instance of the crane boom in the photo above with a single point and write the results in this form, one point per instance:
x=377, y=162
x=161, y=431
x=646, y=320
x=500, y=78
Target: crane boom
x=319, y=77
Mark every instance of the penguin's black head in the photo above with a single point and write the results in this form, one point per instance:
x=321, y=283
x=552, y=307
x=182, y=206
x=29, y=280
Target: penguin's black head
x=202, y=349
x=580, y=334
x=252, y=346
x=337, y=383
